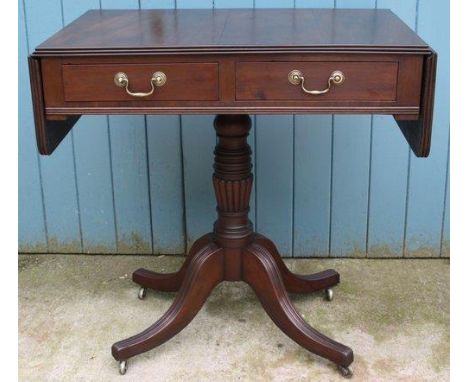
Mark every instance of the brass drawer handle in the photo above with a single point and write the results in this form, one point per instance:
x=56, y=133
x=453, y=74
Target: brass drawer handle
x=296, y=77
x=121, y=80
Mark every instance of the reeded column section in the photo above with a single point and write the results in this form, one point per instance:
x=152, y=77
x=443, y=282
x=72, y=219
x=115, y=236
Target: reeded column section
x=232, y=180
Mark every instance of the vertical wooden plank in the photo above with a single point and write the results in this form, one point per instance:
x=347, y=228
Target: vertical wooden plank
x=274, y=180
x=274, y=166
x=194, y=4
x=350, y=171
x=445, y=241
x=130, y=183
x=31, y=228
x=231, y=4
x=199, y=139
x=355, y=3
x=130, y=173
x=389, y=169
x=314, y=3
x=427, y=176
x=312, y=171
x=350, y=175
x=161, y=4
x=165, y=173
x=58, y=170
x=387, y=199
x=165, y=163
x=312, y=162
x=93, y=169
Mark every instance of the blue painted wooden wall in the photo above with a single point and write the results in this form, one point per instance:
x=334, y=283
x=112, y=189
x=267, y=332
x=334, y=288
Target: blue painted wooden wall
x=343, y=185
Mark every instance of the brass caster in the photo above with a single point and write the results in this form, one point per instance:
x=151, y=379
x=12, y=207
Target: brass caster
x=122, y=367
x=329, y=294
x=345, y=371
x=142, y=293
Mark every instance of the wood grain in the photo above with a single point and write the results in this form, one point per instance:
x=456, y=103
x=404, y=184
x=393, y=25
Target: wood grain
x=364, y=81
x=185, y=81
x=234, y=253
x=232, y=30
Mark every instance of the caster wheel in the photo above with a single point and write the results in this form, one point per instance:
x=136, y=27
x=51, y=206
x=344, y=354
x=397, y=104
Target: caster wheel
x=142, y=293
x=122, y=367
x=345, y=371
x=329, y=294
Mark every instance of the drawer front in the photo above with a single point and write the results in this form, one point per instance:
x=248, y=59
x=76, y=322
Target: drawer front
x=363, y=81
x=184, y=81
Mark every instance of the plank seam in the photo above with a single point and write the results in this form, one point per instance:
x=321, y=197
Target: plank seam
x=148, y=174
x=75, y=176
x=293, y=198
x=330, y=212
x=78, y=204
x=182, y=169
x=445, y=195
x=408, y=171
x=416, y=18
x=332, y=146
x=39, y=164
x=369, y=185
x=109, y=143
x=408, y=179
x=148, y=182
x=26, y=26
x=62, y=13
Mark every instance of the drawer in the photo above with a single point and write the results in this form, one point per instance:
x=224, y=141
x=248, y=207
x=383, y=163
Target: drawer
x=183, y=81
x=363, y=81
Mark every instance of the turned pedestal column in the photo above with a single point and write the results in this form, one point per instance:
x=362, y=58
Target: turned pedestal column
x=233, y=252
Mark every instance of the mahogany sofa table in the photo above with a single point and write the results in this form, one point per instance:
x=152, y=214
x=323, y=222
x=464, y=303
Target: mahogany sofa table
x=233, y=63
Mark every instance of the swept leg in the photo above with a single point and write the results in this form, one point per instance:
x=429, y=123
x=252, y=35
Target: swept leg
x=203, y=274
x=261, y=272
x=295, y=283
x=169, y=282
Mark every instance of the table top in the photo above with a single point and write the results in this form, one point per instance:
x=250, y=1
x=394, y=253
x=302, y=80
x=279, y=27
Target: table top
x=234, y=61
x=224, y=30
